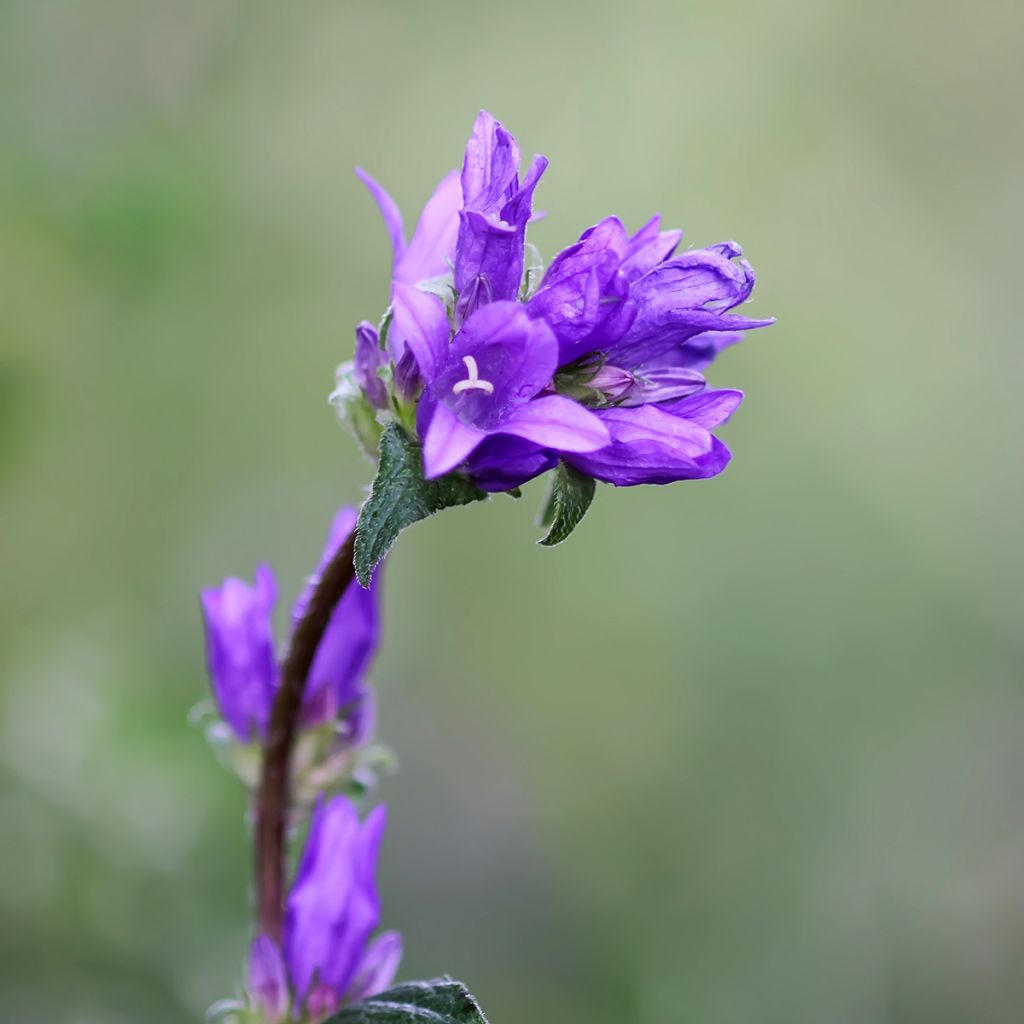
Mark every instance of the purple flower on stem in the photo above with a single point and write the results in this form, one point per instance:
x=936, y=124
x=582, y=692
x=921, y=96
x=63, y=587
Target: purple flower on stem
x=594, y=368
x=492, y=224
x=326, y=957
x=243, y=666
x=240, y=651
x=487, y=382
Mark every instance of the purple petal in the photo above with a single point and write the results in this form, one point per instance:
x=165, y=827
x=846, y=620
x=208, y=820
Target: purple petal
x=240, y=651
x=268, y=979
x=700, y=351
x=499, y=360
x=651, y=446
x=686, y=296
x=490, y=170
x=389, y=211
x=333, y=906
x=486, y=257
x=639, y=347
x=368, y=359
x=660, y=383
x=431, y=250
x=582, y=296
x=377, y=969
x=421, y=322
x=447, y=442
x=321, y=1003
x=707, y=409
x=350, y=640
x=490, y=249
x=503, y=462
x=557, y=422
x=647, y=248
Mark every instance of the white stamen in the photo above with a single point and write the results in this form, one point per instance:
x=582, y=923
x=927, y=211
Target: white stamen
x=472, y=382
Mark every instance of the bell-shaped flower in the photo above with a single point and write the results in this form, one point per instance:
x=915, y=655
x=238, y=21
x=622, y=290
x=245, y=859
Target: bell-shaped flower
x=488, y=381
x=496, y=209
x=326, y=958
x=244, y=668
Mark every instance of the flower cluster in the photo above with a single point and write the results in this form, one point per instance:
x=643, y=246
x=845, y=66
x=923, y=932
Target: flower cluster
x=338, y=705
x=326, y=957
x=503, y=372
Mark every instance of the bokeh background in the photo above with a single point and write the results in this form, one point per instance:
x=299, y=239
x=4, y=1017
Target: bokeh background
x=741, y=752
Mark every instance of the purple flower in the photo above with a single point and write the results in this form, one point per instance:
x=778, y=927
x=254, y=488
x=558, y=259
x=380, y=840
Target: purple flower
x=492, y=223
x=583, y=296
x=683, y=297
x=241, y=659
x=326, y=957
x=335, y=684
x=240, y=651
x=487, y=382
x=368, y=360
x=591, y=368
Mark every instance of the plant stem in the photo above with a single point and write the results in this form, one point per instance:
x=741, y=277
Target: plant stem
x=272, y=797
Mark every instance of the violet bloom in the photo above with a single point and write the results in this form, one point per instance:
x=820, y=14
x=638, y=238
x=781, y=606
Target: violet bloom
x=602, y=366
x=243, y=666
x=327, y=957
x=496, y=209
x=487, y=381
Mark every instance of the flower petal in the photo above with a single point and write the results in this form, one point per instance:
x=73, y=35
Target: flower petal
x=503, y=462
x=651, y=446
x=557, y=422
x=377, y=969
x=333, y=906
x=448, y=441
x=421, y=322
x=490, y=170
x=707, y=409
x=389, y=211
x=369, y=357
x=268, y=979
x=647, y=248
x=240, y=651
x=499, y=360
x=431, y=249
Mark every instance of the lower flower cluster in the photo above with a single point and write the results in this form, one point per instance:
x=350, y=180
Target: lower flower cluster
x=327, y=956
x=503, y=371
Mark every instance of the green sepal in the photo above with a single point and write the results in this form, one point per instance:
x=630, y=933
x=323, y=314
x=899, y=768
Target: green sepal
x=567, y=503
x=353, y=409
x=400, y=496
x=439, y=1001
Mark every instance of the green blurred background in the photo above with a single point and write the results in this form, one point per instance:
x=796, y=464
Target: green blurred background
x=742, y=752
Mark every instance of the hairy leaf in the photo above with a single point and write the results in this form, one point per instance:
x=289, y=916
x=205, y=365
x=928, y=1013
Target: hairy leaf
x=400, y=496
x=440, y=1001
x=567, y=503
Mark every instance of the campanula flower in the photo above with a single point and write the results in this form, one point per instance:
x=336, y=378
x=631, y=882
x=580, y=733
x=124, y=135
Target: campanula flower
x=600, y=364
x=487, y=381
x=496, y=208
x=326, y=957
x=243, y=665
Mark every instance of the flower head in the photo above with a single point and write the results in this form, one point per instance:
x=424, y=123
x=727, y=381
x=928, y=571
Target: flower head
x=244, y=668
x=326, y=957
x=600, y=365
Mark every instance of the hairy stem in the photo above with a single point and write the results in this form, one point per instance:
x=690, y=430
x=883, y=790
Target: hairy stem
x=272, y=797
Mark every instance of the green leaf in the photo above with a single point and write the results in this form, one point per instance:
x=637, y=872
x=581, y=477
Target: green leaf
x=570, y=497
x=440, y=1001
x=400, y=496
